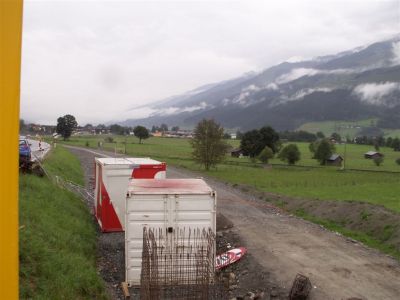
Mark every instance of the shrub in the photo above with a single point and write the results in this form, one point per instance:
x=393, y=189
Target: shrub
x=265, y=155
x=378, y=160
x=109, y=139
x=290, y=154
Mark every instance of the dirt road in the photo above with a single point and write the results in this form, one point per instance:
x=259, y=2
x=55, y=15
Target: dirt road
x=284, y=245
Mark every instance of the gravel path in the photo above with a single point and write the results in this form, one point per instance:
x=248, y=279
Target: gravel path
x=279, y=246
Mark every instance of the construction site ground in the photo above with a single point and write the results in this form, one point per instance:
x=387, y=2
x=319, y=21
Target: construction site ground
x=279, y=245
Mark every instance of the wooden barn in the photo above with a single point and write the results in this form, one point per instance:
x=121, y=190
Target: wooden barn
x=334, y=160
x=237, y=152
x=372, y=154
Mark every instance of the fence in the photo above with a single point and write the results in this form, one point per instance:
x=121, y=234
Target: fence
x=77, y=189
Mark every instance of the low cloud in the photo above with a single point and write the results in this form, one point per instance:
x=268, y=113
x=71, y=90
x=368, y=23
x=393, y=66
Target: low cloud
x=396, y=53
x=147, y=111
x=251, y=88
x=272, y=86
x=374, y=92
x=300, y=72
x=304, y=92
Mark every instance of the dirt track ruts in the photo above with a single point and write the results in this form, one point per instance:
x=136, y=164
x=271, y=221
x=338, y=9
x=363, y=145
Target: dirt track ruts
x=285, y=245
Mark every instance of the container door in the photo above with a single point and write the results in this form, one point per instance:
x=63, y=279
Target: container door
x=149, y=211
x=195, y=211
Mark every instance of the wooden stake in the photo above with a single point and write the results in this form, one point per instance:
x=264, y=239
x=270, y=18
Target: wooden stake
x=125, y=290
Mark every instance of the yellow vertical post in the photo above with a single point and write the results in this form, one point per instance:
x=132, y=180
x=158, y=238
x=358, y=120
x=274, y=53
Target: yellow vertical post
x=10, y=64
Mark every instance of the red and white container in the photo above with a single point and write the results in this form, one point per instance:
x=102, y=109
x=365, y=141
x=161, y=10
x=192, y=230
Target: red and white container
x=168, y=204
x=112, y=176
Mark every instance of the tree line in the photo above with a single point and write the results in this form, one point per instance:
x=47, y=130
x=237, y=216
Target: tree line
x=209, y=146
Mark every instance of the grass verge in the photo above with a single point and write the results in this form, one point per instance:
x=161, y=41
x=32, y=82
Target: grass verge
x=363, y=237
x=57, y=238
x=61, y=162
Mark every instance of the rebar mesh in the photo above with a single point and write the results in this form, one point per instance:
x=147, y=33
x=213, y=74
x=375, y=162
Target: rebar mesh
x=179, y=265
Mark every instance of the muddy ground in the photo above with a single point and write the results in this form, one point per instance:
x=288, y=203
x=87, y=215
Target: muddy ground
x=279, y=245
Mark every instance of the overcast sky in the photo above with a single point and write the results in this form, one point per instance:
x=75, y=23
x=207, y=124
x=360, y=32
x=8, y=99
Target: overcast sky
x=99, y=59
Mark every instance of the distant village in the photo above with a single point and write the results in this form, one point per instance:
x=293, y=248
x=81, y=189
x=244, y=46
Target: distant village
x=156, y=131
x=37, y=129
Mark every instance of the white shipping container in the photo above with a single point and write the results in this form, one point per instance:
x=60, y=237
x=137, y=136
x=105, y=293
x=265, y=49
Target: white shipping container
x=112, y=177
x=168, y=204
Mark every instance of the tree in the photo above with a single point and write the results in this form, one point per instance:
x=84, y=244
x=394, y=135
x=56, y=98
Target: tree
x=297, y=136
x=227, y=136
x=378, y=160
x=239, y=135
x=320, y=135
x=254, y=141
x=175, y=128
x=323, y=151
x=336, y=136
x=66, y=125
x=141, y=133
x=117, y=129
x=389, y=141
x=270, y=138
x=396, y=144
x=290, y=154
x=164, y=127
x=209, y=148
x=251, y=144
x=22, y=125
x=265, y=155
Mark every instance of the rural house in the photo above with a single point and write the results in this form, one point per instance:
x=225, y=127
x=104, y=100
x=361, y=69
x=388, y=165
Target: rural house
x=237, y=152
x=334, y=160
x=372, y=154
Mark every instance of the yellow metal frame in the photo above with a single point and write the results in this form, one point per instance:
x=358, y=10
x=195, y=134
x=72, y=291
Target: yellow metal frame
x=10, y=64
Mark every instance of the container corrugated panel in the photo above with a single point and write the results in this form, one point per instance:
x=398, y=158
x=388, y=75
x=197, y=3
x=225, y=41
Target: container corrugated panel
x=168, y=203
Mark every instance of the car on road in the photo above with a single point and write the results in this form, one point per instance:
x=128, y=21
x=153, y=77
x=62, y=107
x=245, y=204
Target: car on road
x=25, y=152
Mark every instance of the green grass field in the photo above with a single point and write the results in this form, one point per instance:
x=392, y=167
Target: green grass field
x=345, y=128
x=57, y=237
x=312, y=181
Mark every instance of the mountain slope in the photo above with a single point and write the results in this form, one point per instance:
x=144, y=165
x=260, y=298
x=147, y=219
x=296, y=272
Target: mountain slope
x=350, y=85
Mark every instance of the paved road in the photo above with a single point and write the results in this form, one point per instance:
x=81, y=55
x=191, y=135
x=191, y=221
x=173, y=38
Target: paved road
x=38, y=153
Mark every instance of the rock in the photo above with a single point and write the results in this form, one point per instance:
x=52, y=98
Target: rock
x=274, y=293
x=233, y=287
x=250, y=295
x=259, y=296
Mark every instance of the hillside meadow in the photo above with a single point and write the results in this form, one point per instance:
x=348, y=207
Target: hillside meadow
x=308, y=179
x=346, y=128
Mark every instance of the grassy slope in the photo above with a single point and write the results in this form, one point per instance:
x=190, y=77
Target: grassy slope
x=365, y=237
x=62, y=162
x=57, y=237
x=345, y=128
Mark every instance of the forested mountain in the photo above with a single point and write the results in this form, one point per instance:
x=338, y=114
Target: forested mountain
x=351, y=85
